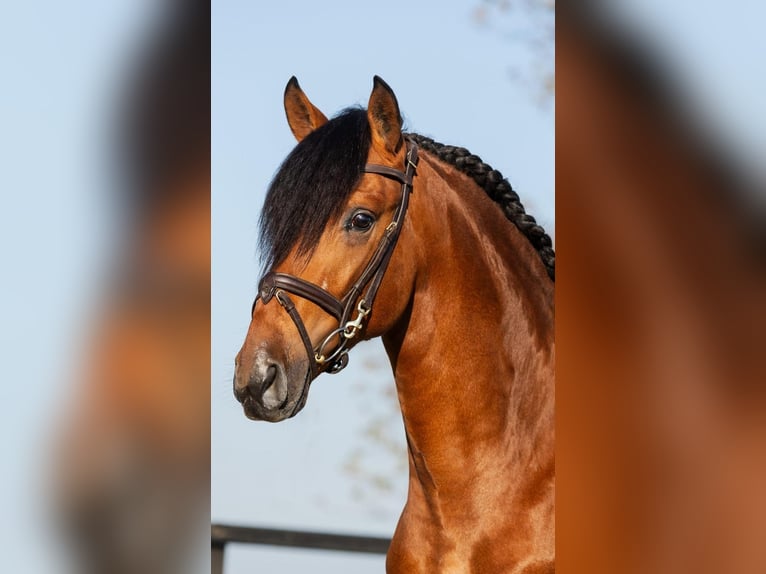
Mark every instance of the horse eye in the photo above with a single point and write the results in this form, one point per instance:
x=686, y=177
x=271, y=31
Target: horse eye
x=361, y=221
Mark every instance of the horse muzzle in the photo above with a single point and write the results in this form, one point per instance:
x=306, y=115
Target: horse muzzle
x=265, y=392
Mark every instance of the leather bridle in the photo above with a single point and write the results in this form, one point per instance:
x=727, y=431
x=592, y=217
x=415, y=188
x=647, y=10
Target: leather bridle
x=361, y=295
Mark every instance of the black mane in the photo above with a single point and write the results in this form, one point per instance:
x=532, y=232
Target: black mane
x=312, y=185
x=318, y=176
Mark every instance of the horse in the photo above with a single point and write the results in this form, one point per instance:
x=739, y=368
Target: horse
x=368, y=231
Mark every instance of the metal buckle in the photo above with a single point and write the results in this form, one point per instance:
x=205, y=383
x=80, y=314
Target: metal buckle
x=347, y=332
x=353, y=327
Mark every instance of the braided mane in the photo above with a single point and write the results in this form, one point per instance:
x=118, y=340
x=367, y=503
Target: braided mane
x=499, y=190
x=315, y=180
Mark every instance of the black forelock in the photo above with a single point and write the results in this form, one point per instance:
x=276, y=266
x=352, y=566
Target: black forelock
x=312, y=185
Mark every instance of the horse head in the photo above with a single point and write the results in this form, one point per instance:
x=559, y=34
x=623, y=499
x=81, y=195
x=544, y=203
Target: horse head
x=331, y=220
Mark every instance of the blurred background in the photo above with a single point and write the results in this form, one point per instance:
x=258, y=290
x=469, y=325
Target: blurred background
x=105, y=123
x=660, y=299
x=473, y=74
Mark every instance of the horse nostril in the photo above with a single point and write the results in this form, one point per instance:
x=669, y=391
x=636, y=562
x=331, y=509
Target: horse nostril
x=273, y=388
x=271, y=376
x=270, y=389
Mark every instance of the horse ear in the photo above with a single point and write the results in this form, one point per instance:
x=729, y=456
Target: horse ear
x=385, y=119
x=302, y=116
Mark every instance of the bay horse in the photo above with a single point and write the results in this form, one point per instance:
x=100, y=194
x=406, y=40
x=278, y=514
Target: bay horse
x=371, y=232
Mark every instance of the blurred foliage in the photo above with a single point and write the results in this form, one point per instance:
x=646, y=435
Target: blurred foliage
x=527, y=25
x=377, y=464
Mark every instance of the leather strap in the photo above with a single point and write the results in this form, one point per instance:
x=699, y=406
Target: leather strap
x=388, y=241
x=287, y=303
x=386, y=171
x=297, y=286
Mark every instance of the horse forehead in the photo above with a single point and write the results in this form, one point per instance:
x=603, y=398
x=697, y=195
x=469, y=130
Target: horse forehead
x=376, y=189
x=374, y=156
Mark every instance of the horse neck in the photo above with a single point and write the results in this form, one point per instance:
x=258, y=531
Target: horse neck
x=473, y=356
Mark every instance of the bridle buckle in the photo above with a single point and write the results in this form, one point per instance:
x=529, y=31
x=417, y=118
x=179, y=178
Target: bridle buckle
x=353, y=327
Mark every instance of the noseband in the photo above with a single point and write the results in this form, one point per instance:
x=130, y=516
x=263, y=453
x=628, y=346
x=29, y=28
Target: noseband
x=273, y=285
